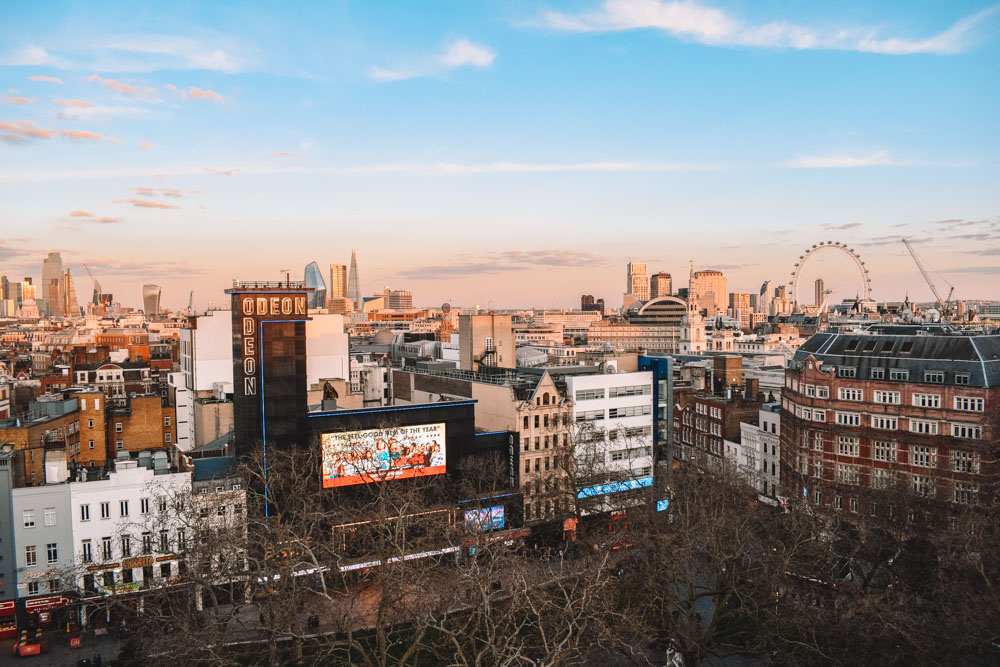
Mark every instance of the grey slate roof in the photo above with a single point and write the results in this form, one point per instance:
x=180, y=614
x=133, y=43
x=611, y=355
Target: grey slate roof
x=976, y=355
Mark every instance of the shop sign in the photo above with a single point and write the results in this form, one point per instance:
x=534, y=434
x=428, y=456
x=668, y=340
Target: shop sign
x=141, y=561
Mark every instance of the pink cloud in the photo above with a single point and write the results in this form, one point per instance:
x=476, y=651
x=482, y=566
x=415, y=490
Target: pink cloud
x=176, y=193
x=42, y=77
x=21, y=131
x=285, y=154
x=73, y=103
x=222, y=172
x=200, y=94
x=144, y=203
x=106, y=220
x=124, y=88
x=18, y=100
x=146, y=145
x=80, y=214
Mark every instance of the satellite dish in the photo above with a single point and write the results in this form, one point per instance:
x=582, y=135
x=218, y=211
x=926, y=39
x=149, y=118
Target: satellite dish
x=446, y=308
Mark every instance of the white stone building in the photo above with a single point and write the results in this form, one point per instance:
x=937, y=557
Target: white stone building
x=760, y=449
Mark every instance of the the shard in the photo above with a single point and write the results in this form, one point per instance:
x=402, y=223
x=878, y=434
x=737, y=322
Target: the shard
x=353, y=283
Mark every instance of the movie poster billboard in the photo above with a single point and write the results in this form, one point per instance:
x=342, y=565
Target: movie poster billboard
x=398, y=452
x=487, y=518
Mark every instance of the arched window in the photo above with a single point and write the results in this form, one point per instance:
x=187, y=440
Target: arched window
x=545, y=398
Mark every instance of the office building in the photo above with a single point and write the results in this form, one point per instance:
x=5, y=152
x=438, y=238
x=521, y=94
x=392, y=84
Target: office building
x=636, y=282
x=400, y=300
x=337, y=289
x=314, y=280
x=151, y=299
x=710, y=291
x=660, y=285
x=893, y=407
x=818, y=286
x=51, y=287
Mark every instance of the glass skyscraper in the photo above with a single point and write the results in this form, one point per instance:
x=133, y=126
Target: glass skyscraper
x=314, y=279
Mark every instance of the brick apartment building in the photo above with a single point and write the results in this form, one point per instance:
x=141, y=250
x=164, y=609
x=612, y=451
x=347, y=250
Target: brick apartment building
x=704, y=421
x=893, y=407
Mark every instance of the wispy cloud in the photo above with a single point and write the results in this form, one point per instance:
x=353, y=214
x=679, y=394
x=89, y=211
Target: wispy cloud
x=80, y=104
x=86, y=216
x=127, y=89
x=49, y=79
x=460, y=53
x=110, y=266
x=144, y=203
x=24, y=131
x=429, y=169
x=17, y=100
x=146, y=145
x=695, y=22
x=195, y=93
x=175, y=193
x=505, y=262
x=879, y=159
x=985, y=251
x=988, y=270
x=284, y=154
x=848, y=225
x=31, y=56
x=81, y=214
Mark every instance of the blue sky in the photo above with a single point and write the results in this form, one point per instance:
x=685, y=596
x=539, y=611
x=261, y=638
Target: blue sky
x=511, y=154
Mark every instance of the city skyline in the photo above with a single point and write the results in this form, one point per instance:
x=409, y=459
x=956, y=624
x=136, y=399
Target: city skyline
x=732, y=134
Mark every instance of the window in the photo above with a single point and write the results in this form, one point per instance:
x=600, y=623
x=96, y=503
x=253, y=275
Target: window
x=222, y=508
x=965, y=493
x=119, y=445
x=166, y=420
x=29, y=518
x=118, y=427
x=885, y=423
x=105, y=510
x=30, y=557
x=822, y=391
x=126, y=546
x=84, y=512
x=925, y=457
x=818, y=442
x=181, y=540
x=966, y=461
x=589, y=394
x=630, y=411
x=969, y=404
x=961, y=378
x=91, y=444
x=90, y=423
x=847, y=372
x=848, y=474
x=590, y=415
x=52, y=552
x=525, y=422
x=889, y=397
x=161, y=503
x=878, y=374
x=630, y=390
x=168, y=437
x=854, y=504
x=934, y=377
x=923, y=486
x=884, y=451
x=838, y=502
x=165, y=570
x=926, y=427
x=536, y=421
x=527, y=466
x=123, y=507
x=164, y=542
x=106, y=548
x=848, y=446
x=883, y=479
x=849, y=419
x=85, y=553
x=927, y=400
x=147, y=542
x=819, y=415
x=144, y=505
x=966, y=431
x=810, y=390
x=850, y=394
x=32, y=588
x=818, y=468
x=899, y=374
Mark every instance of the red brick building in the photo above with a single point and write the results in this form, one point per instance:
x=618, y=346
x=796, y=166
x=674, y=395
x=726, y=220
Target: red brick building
x=704, y=421
x=893, y=407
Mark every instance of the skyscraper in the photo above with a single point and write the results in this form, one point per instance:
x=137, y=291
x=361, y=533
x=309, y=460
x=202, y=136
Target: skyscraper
x=338, y=281
x=151, y=299
x=636, y=282
x=50, y=293
x=354, y=283
x=660, y=284
x=72, y=306
x=314, y=279
x=819, y=291
x=711, y=291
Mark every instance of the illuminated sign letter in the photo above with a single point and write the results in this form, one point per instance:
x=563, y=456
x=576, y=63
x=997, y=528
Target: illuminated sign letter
x=286, y=305
x=248, y=323
x=261, y=306
x=300, y=305
x=248, y=305
x=275, y=307
x=250, y=386
x=249, y=366
x=248, y=347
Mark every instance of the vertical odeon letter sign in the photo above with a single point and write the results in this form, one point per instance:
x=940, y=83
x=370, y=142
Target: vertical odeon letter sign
x=254, y=307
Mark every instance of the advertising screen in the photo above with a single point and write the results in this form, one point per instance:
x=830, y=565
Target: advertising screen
x=487, y=518
x=356, y=457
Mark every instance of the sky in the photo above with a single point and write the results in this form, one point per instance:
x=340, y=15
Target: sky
x=513, y=154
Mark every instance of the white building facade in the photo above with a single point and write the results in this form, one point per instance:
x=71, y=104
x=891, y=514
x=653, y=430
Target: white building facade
x=760, y=449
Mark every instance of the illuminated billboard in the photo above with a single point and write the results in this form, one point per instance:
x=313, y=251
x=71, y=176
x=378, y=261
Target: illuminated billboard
x=487, y=518
x=356, y=457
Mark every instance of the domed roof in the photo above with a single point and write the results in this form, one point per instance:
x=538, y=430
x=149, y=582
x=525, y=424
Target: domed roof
x=383, y=337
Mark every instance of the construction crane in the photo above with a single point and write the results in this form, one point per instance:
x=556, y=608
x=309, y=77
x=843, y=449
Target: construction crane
x=190, y=308
x=943, y=304
x=97, y=287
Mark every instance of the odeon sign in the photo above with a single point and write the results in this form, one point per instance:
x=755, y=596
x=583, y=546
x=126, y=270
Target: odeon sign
x=254, y=309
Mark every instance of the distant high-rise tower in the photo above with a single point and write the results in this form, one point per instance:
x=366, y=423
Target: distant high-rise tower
x=819, y=291
x=354, y=283
x=314, y=279
x=764, y=298
x=711, y=291
x=636, y=282
x=51, y=289
x=151, y=299
x=338, y=281
x=71, y=307
x=660, y=284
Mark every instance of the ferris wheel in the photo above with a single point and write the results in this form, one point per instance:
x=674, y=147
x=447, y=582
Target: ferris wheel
x=828, y=258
